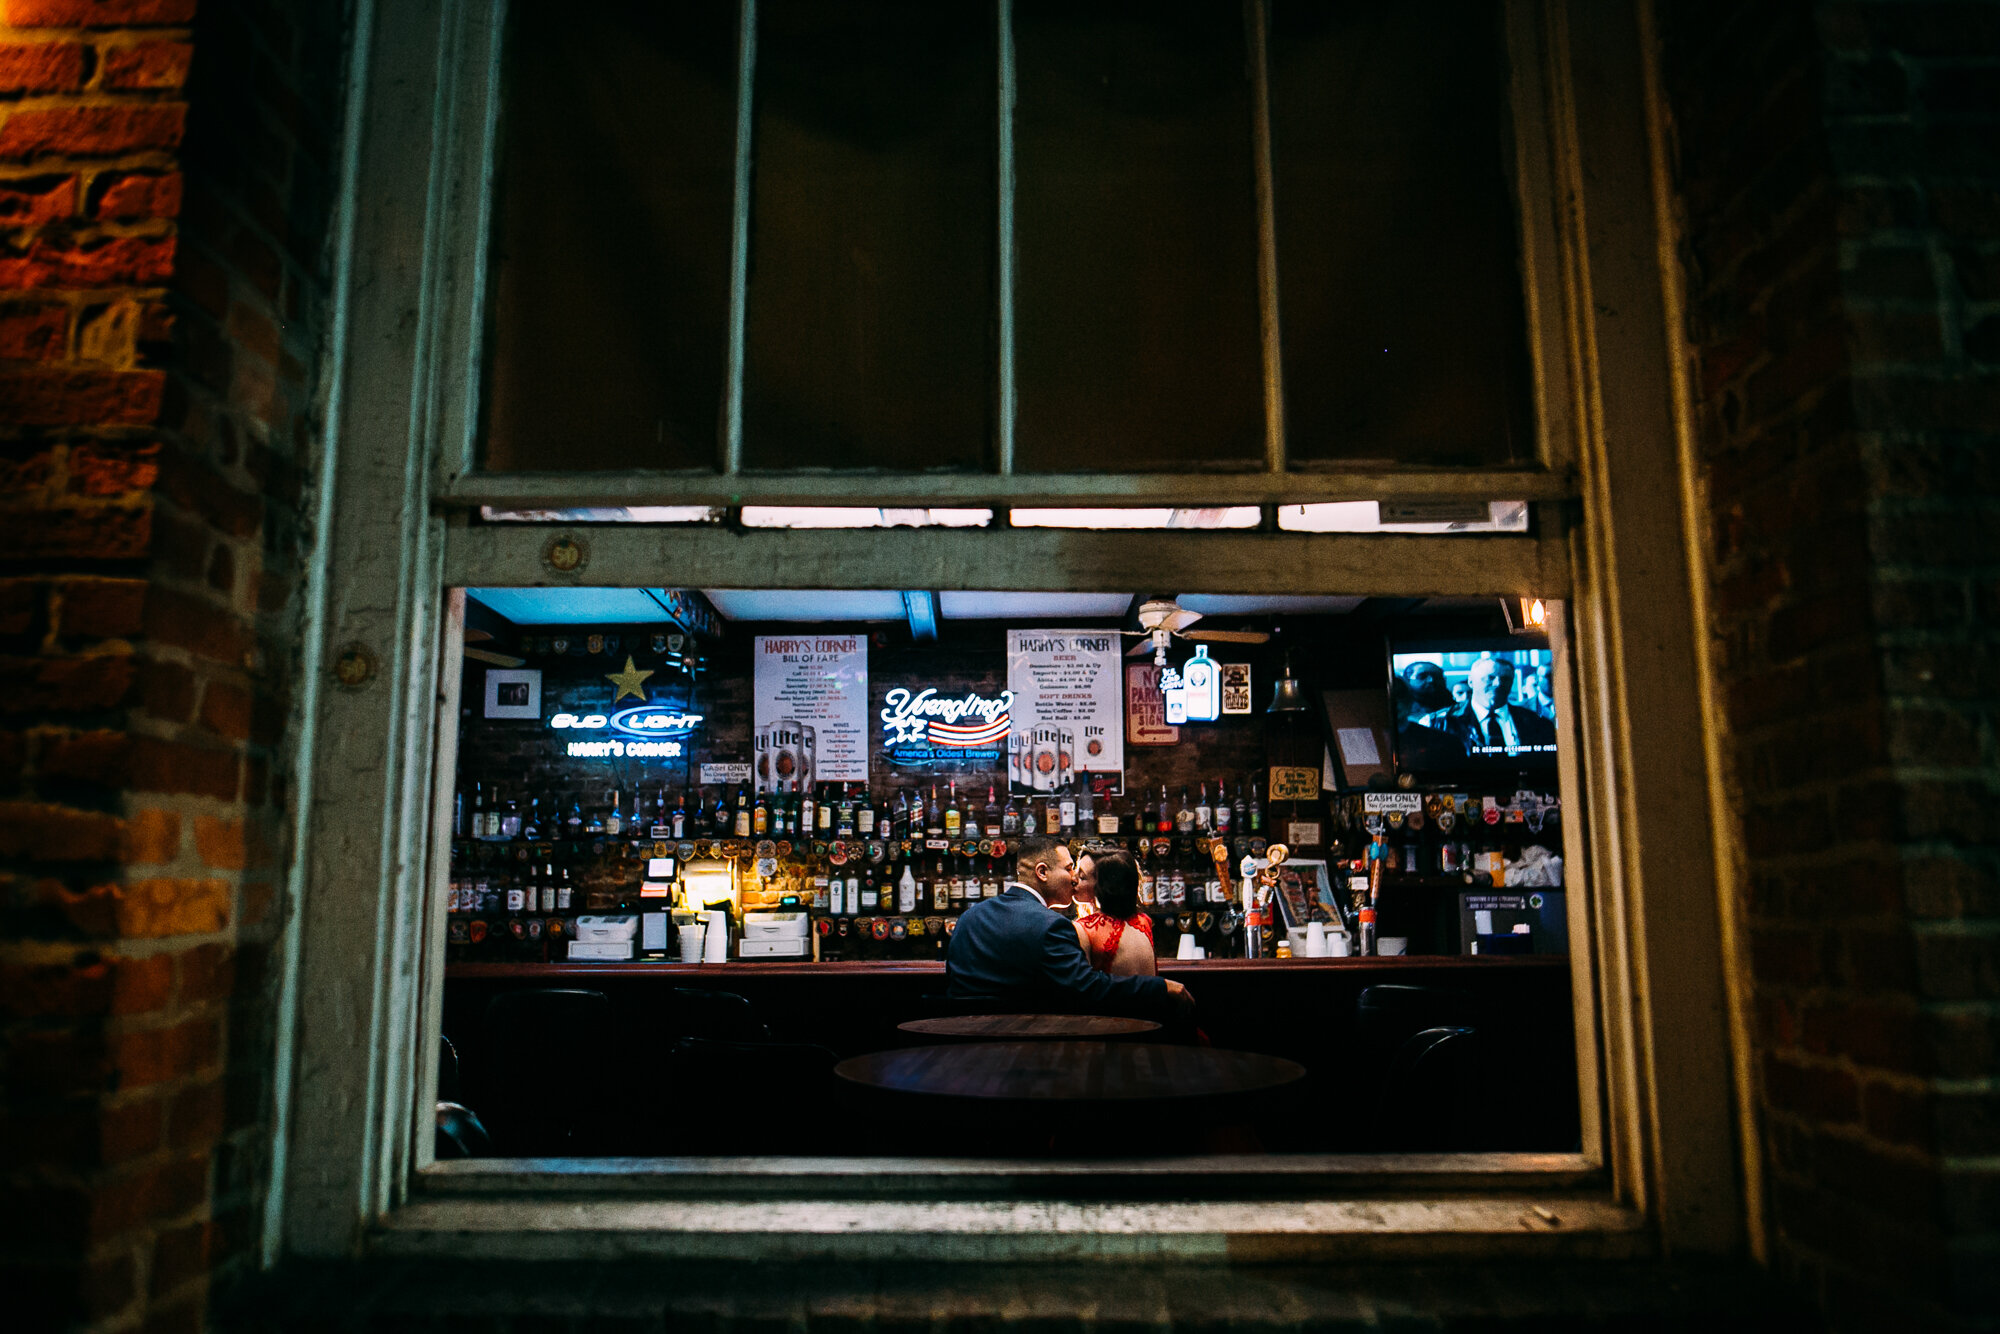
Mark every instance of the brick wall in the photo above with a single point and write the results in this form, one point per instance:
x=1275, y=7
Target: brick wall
x=1840, y=174
x=164, y=187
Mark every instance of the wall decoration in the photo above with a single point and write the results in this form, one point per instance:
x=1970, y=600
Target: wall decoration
x=631, y=681
x=1146, y=708
x=810, y=704
x=921, y=729
x=1235, y=688
x=1067, y=709
x=513, y=692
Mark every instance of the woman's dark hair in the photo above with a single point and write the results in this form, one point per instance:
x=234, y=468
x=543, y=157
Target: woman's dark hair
x=1117, y=884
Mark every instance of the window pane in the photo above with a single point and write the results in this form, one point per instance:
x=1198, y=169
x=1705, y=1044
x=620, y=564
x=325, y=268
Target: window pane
x=1367, y=516
x=846, y=516
x=1137, y=322
x=610, y=279
x=1232, y=516
x=1401, y=303
x=872, y=256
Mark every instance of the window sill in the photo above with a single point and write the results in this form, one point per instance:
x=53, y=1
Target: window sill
x=1270, y=1211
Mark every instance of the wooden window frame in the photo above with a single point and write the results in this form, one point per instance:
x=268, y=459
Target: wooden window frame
x=1655, y=973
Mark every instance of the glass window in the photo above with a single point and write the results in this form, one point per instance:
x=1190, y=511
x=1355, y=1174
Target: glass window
x=610, y=278
x=1232, y=516
x=1402, y=322
x=1373, y=516
x=1136, y=291
x=872, y=256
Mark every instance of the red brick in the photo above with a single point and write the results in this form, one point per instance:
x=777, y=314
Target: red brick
x=33, y=332
x=1895, y=1114
x=226, y=710
x=88, y=262
x=95, y=13
x=152, y=1194
x=67, y=684
x=81, y=398
x=204, y=492
x=142, y=985
x=29, y=200
x=1818, y=1093
x=94, y=757
x=154, y=1056
x=196, y=1119
x=179, y=1255
x=58, y=834
x=207, y=973
x=20, y=605
x=220, y=842
x=152, y=837
x=146, y=65
x=40, y=67
x=131, y=1130
x=55, y=1062
x=153, y=909
x=105, y=469
x=79, y=532
x=91, y=130
x=171, y=766
x=137, y=195
x=73, y=989
x=197, y=625
x=100, y=608
x=167, y=692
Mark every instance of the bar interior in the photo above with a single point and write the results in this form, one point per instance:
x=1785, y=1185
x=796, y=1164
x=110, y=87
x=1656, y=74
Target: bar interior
x=710, y=848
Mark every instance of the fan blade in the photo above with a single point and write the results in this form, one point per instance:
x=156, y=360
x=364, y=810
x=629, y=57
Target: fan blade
x=1181, y=619
x=1140, y=649
x=477, y=636
x=1228, y=636
x=497, y=659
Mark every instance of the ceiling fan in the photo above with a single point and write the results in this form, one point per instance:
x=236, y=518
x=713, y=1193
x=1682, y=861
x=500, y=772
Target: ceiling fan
x=487, y=655
x=1162, y=620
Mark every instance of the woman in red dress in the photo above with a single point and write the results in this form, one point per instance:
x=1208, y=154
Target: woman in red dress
x=1116, y=935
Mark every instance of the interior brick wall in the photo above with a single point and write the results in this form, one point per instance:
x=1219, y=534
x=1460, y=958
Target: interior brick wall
x=165, y=178
x=1839, y=170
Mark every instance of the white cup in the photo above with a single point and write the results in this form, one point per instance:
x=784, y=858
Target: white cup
x=1187, y=949
x=1339, y=943
x=1392, y=944
x=691, y=941
x=1315, y=940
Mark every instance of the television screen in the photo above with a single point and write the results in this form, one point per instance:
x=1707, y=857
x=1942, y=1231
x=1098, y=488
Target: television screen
x=1473, y=705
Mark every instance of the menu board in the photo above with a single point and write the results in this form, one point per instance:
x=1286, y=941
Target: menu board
x=1068, y=709
x=810, y=696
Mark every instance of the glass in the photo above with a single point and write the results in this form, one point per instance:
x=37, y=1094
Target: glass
x=1402, y=319
x=873, y=252
x=611, y=238
x=1137, y=324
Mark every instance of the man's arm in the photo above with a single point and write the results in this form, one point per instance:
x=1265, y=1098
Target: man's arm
x=1066, y=969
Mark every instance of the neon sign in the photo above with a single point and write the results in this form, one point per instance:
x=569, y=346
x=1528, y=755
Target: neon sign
x=604, y=750
x=963, y=723
x=1194, y=692
x=641, y=720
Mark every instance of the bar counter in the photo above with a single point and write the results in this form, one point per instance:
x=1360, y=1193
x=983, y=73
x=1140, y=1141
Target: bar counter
x=1183, y=970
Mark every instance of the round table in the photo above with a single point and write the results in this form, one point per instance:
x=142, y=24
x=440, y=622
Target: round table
x=1027, y=1027
x=1070, y=1071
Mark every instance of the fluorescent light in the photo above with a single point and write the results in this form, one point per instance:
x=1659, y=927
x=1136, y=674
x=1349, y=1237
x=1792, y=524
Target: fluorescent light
x=852, y=516
x=1232, y=516
x=1365, y=516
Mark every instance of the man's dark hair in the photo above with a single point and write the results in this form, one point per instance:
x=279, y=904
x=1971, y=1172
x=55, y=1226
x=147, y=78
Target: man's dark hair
x=1036, y=849
x=1117, y=884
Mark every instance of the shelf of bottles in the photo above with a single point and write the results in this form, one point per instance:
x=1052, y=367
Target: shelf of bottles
x=884, y=874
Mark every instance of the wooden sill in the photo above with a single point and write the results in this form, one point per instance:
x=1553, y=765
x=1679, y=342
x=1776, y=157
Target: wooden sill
x=1279, y=1209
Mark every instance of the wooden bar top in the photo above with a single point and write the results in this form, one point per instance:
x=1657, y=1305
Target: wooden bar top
x=1182, y=969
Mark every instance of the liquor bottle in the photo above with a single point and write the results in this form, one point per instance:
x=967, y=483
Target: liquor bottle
x=853, y=893
x=1256, y=811
x=869, y=901
x=1204, y=814
x=1163, y=822
x=1107, y=816
x=864, y=816
x=906, y=891
x=989, y=886
x=461, y=815
x=1086, y=810
x=1222, y=811
x=1145, y=891
x=808, y=815
x=1010, y=818
x=573, y=826
x=760, y=816
x=954, y=820
x=531, y=823
x=1052, y=815
x=933, y=816
x=1184, y=817
x=1066, y=810
x=679, y=825
x=741, y=824
x=1029, y=824
x=593, y=822
x=614, y=818
x=836, y=900
x=991, y=823
x=719, y=821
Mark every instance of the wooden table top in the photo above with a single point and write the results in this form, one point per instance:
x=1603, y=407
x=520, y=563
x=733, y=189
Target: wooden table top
x=1069, y=1071
x=1022, y=1027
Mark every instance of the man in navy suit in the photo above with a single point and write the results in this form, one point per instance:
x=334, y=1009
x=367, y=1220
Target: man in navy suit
x=1014, y=950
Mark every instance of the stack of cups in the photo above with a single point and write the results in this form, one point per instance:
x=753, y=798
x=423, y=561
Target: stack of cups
x=1315, y=940
x=691, y=940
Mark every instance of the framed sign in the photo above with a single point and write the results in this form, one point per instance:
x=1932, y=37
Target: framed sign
x=1146, y=708
x=513, y=692
x=1235, y=688
x=1294, y=782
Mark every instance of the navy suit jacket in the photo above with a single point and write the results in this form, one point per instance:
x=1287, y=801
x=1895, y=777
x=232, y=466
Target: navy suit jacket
x=1013, y=950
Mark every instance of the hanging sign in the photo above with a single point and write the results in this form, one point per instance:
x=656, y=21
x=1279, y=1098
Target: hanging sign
x=811, y=709
x=1067, y=713
x=922, y=729
x=1146, y=708
x=1294, y=783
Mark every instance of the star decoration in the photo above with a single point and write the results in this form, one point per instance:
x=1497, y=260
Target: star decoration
x=631, y=681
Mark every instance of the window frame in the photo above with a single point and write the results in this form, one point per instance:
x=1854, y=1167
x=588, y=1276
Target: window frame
x=1658, y=1003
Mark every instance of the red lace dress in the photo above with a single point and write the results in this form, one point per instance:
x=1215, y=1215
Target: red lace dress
x=1104, y=933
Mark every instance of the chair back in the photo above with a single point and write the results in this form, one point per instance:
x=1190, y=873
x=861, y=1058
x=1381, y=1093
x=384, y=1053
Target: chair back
x=552, y=1061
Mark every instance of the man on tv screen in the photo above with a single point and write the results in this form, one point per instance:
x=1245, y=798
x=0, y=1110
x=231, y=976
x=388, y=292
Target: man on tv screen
x=1486, y=723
